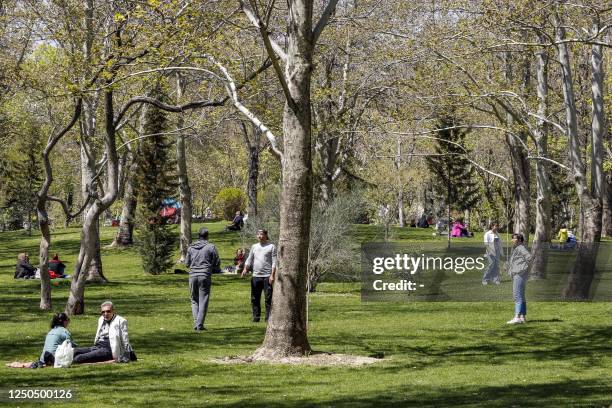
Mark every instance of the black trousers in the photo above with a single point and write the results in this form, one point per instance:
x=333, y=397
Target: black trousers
x=93, y=354
x=257, y=286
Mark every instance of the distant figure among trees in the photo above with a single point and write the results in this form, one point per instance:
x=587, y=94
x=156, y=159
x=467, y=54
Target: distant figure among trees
x=56, y=268
x=240, y=259
x=567, y=240
x=518, y=269
x=460, y=230
x=262, y=260
x=237, y=222
x=23, y=269
x=563, y=234
x=202, y=260
x=493, y=248
x=423, y=223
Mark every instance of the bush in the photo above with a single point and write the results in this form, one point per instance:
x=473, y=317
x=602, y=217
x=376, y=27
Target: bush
x=228, y=201
x=156, y=243
x=331, y=251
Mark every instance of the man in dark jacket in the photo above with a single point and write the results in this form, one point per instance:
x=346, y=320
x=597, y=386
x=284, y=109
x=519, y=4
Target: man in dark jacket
x=202, y=260
x=23, y=269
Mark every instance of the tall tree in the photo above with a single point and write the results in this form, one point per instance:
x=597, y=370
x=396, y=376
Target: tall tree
x=455, y=177
x=580, y=279
x=286, y=333
x=156, y=181
x=25, y=175
x=184, y=187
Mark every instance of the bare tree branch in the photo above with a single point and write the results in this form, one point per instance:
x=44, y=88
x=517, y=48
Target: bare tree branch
x=231, y=91
x=329, y=10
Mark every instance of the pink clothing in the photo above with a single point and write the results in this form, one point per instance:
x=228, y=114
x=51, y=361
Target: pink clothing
x=457, y=230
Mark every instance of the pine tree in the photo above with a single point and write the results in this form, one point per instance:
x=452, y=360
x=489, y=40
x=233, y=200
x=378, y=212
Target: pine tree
x=156, y=180
x=455, y=177
x=24, y=178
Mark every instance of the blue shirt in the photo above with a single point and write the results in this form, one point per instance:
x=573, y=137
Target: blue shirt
x=55, y=337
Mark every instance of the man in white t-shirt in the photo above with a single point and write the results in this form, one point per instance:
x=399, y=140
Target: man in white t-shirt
x=262, y=260
x=493, y=247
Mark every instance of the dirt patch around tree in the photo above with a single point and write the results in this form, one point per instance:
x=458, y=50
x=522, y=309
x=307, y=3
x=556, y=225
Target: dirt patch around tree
x=314, y=359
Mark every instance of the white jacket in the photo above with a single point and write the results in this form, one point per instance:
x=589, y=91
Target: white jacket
x=117, y=335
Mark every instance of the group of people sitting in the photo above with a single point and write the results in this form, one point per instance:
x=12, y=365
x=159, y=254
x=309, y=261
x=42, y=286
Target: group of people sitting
x=111, y=342
x=458, y=227
x=567, y=240
x=24, y=270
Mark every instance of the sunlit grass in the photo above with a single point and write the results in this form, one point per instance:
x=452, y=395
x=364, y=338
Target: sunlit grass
x=434, y=354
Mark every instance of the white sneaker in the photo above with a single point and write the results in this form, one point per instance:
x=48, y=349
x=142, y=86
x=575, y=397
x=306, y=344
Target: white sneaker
x=516, y=320
x=523, y=319
x=485, y=283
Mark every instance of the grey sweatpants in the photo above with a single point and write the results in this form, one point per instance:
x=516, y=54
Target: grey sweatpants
x=199, y=288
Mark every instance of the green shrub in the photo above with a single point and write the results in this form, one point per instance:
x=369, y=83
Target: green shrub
x=228, y=201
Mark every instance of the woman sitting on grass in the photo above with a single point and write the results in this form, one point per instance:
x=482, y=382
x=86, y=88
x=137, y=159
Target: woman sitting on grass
x=55, y=337
x=56, y=268
x=460, y=230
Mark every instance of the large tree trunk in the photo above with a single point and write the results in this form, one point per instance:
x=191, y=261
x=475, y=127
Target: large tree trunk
x=88, y=172
x=541, y=239
x=599, y=130
x=90, y=239
x=520, y=165
x=327, y=148
x=253, y=170
x=43, y=264
x=43, y=217
x=607, y=206
x=581, y=277
x=520, y=170
x=88, y=132
x=286, y=334
x=400, y=193
x=125, y=232
x=95, y=274
x=184, y=188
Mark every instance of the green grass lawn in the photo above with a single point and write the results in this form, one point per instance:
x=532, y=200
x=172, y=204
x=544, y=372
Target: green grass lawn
x=435, y=354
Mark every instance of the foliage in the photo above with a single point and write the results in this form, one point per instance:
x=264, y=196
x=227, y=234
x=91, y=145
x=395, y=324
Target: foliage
x=156, y=181
x=331, y=252
x=228, y=201
x=454, y=176
x=23, y=176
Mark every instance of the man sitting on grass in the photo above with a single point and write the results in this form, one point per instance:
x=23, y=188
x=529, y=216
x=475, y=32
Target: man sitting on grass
x=111, y=342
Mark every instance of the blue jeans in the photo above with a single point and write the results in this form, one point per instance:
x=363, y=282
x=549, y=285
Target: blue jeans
x=491, y=273
x=518, y=293
x=199, y=288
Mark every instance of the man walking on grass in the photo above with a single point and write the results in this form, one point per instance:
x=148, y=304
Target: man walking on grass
x=202, y=260
x=262, y=260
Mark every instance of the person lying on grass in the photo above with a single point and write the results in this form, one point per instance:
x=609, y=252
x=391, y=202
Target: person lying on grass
x=111, y=341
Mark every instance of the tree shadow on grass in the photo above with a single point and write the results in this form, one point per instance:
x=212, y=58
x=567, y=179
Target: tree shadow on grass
x=483, y=346
x=565, y=393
